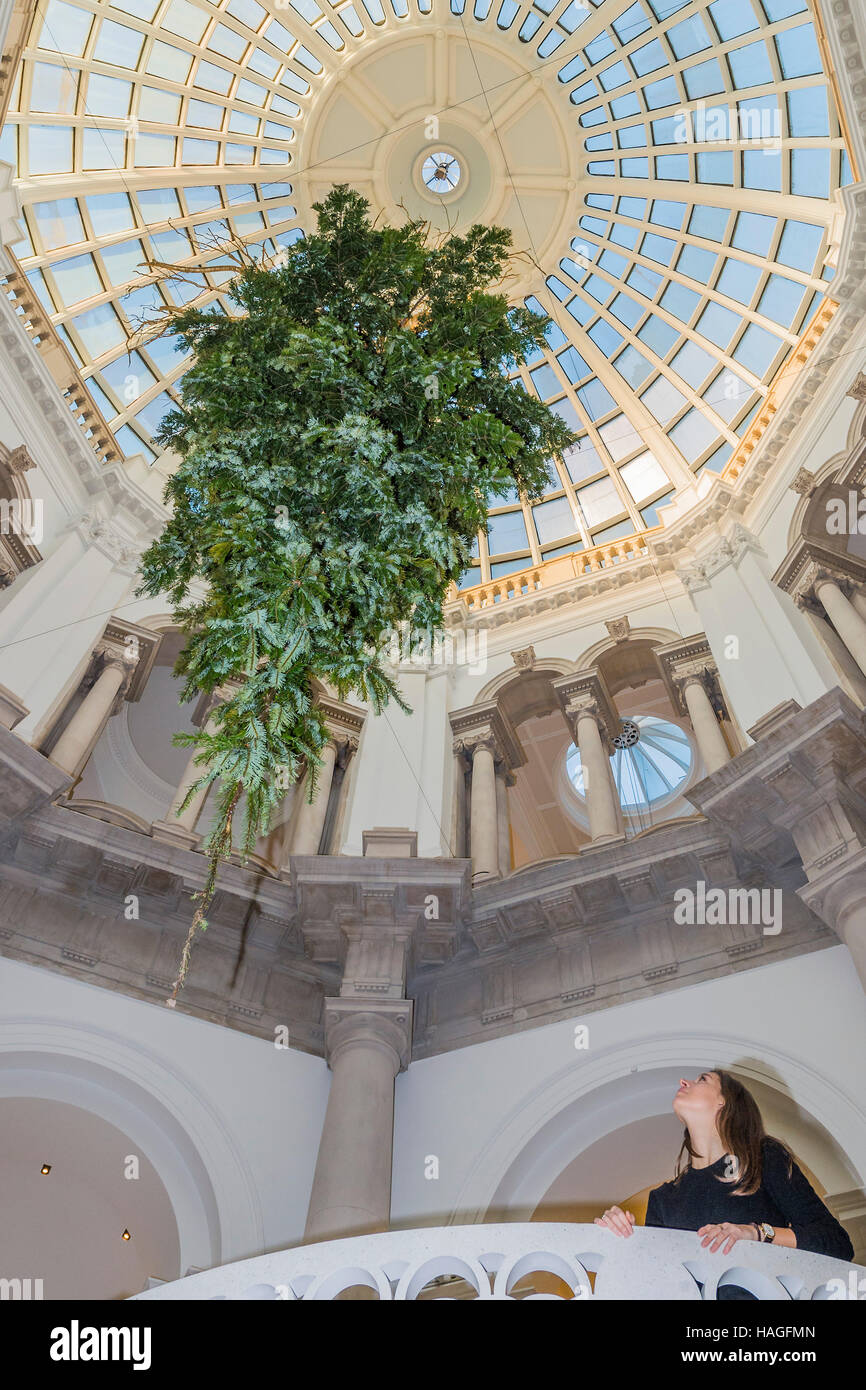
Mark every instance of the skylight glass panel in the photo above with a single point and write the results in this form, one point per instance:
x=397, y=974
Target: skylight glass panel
x=554, y=520
x=674, y=167
x=605, y=336
x=693, y=364
x=530, y=27
x=65, y=29
x=58, y=223
x=623, y=107
x=754, y=232
x=799, y=55
x=728, y=394
x=716, y=166
x=663, y=9
x=600, y=501
x=109, y=213
x=693, y=435
x=808, y=114
x=757, y=349
x=620, y=437
x=644, y=476
x=599, y=48
x=733, y=18
x=738, y=280
x=633, y=366
x=247, y=11
x=167, y=61
x=152, y=151
x=118, y=45
x=575, y=15
x=667, y=214
x=142, y=9
x=99, y=329
x=709, y=222
x=166, y=352
x=49, y=149
x=227, y=42
x=214, y=78
x=781, y=300
x=205, y=113
x=658, y=248
x=103, y=149
x=124, y=261
x=663, y=401
x=689, y=37
x=627, y=310
x=664, y=92
x=128, y=378
x=242, y=123
x=156, y=105
x=697, y=263
x=658, y=335
x=810, y=173
x=53, y=88
x=783, y=9
x=108, y=96
x=704, y=79
x=506, y=532
x=799, y=245
x=762, y=169
x=645, y=281
x=649, y=58
x=750, y=65
x=185, y=20
x=158, y=204
x=718, y=324
x=76, y=279
x=680, y=301
x=631, y=23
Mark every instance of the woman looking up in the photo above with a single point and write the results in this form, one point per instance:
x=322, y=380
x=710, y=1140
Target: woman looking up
x=733, y=1181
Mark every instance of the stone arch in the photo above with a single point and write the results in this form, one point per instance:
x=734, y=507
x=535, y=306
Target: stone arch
x=204, y=1173
x=572, y=1109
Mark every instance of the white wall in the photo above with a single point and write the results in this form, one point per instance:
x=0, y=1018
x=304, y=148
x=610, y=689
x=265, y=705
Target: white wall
x=504, y=1118
x=230, y=1123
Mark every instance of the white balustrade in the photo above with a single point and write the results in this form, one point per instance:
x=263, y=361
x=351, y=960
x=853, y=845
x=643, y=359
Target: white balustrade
x=488, y=1262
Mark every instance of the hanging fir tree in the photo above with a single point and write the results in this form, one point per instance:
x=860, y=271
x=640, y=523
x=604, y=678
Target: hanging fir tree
x=339, y=440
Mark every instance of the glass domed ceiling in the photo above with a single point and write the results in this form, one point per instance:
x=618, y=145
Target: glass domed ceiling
x=671, y=169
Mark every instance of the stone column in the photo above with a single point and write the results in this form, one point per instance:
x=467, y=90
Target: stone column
x=850, y=626
x=504, y=780
x=484, y=833
x=367, y=1045
x=78, y=739
x=710, y=739
x=311, y=814
x=180, y=826
x=858, y=598
x=597, y=783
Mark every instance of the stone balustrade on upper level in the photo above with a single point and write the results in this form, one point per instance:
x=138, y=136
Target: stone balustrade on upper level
x=523, y=1260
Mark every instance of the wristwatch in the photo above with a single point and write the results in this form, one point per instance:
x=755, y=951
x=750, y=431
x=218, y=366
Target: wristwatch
x=766, y=1232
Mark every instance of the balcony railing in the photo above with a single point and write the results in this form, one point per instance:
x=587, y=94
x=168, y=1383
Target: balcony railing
x=513, y=1261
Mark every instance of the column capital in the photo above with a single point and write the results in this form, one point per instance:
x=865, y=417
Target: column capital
x=809, y=564
x=486, y=726
x=689, y=661
x=585, y=693
x=385, y=1024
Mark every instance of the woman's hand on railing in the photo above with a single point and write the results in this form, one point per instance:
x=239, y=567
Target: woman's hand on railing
x=727, y=1235
x=616, y=1220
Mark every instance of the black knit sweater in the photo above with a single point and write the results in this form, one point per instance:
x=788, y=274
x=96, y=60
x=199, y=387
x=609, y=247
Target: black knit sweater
x=784, y=1198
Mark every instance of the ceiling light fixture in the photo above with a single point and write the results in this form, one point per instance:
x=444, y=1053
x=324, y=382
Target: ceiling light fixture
x=126, y=1236
x=46, y=1169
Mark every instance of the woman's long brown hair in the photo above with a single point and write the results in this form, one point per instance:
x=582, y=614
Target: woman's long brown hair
x=741, y=1130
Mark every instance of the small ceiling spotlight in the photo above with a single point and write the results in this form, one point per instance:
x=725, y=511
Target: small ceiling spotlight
x=126, y=1236
x=45, y=1169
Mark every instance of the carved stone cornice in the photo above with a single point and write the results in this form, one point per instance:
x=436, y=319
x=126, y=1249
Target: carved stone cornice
x=807, y=564
x=487, y=726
